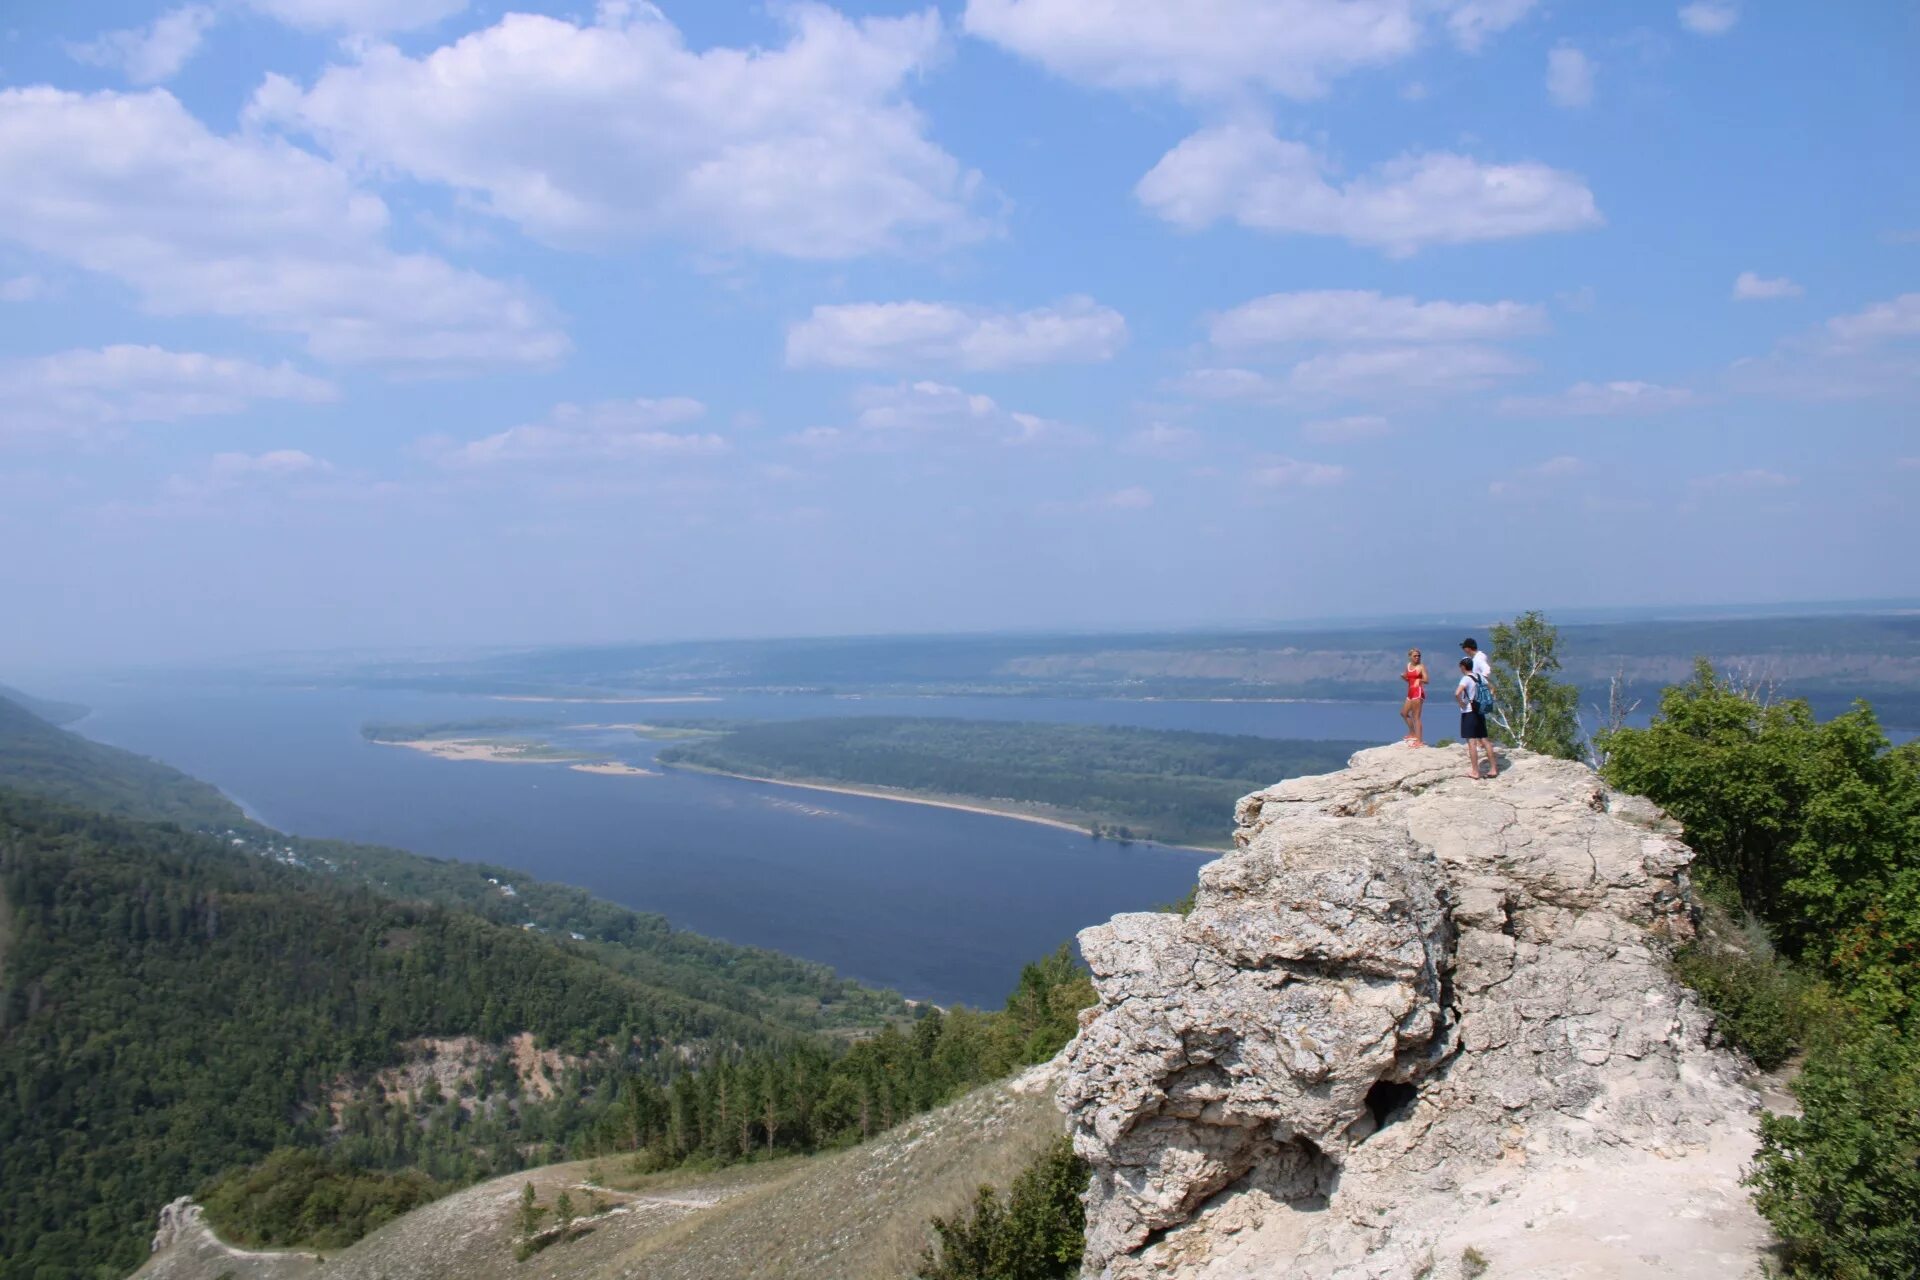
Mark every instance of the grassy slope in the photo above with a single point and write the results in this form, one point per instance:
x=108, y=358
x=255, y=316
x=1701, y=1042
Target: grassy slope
x=1165, y=785
x=853, y=1215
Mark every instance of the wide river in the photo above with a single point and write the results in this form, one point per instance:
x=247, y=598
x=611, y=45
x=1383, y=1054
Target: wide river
x=936, y=903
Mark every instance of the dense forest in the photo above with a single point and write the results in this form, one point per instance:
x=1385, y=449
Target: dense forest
x=1146, y=784
x=171, y=1006
x=46, y=761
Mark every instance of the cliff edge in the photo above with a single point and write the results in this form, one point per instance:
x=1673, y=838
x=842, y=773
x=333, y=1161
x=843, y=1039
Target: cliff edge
x=1417, y=1025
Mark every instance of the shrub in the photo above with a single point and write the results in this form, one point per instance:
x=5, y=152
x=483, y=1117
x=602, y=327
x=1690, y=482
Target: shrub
x=1841, y=1182
x=304, y=1197
x=1036, y=1233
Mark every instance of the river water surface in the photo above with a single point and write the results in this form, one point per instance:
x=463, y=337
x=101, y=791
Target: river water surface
x=936, y=903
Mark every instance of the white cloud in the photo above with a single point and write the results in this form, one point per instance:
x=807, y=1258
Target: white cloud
x=1367, y=374
x=150, y=54
x=609, y=431
x=892, y=415
x=235, y=467
x=875, y=335
x=1602, y=399
x=585, y=135
x=1212, y=48
x=74, y=392
x=1161, y=440
x=1539, y=480
x=1751, y=287
x=133, y=187
x=1355, y=427
x=1132, y=498
x=1357, y=316
x=1569, y=77
x=1292, y=473
x=1753, y=480
x=1247, y=175
x=364, y=17
x=1870, y=353
x=1709, y=17
x=1896, y=318
x=22, y=288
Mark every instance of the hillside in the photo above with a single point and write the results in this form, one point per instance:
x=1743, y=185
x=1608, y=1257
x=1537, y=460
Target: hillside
x=173, y=1005
x=852, y=1215
x=59, y=765
x=1149, y=784
x=37, y=757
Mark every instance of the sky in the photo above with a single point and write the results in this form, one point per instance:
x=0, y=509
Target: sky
x=386, y=323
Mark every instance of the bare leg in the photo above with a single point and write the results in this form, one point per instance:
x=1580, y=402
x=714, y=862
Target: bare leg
x=1473, y=759
x=1406, y=714
x=1419, y=723
x=1493, y=765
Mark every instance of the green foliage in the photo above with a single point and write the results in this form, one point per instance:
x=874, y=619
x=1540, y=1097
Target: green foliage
x=306, y=1197
x=1149, y=784
x=1841, y=1182
x=1757, y=999
x=38, y=758
x=172, y=1006
x=1817, y=826
x=1473, y=1263
x=1035, y=1232
x=1532, y=709
x=1815, y=822
x=803, y=1097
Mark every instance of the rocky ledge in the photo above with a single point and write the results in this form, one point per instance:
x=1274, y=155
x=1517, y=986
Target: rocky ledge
x=1416, y=1025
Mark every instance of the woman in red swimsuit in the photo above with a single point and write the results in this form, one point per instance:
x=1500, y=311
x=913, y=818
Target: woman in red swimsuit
x=1415, y=707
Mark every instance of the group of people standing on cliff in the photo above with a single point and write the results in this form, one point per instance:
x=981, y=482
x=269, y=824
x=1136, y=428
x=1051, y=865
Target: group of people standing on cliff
x=1473, y=695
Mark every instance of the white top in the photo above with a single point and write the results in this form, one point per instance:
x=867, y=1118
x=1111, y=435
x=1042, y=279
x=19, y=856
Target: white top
x=1463, y=692
x=1481, y=667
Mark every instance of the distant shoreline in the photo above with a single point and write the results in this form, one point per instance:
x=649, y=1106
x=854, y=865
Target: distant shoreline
x=904, y=797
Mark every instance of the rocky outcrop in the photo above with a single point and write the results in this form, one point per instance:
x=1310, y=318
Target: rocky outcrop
x=1415, y=1024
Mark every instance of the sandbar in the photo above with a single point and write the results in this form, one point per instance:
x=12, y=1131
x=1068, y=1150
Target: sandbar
x=615, y=768
x=541, y=697
x=873, y=793
x=470, y=749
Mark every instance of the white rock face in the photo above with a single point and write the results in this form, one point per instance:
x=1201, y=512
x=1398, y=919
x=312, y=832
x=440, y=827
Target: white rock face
x=1415, y=1015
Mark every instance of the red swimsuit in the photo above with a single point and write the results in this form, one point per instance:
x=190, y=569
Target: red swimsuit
x=1415, y=691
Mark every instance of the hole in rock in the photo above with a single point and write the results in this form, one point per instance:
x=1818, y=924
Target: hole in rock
x=1386, y=1098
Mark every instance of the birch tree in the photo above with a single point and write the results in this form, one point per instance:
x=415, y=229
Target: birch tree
x=1531, y=708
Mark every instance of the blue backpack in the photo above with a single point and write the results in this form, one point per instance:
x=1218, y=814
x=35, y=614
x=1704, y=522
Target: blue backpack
x=1482, y=695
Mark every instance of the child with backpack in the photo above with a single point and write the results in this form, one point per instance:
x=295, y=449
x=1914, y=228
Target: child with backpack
x=1474, y=696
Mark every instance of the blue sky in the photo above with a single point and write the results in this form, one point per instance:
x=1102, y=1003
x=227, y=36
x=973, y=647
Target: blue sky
x=391, y=322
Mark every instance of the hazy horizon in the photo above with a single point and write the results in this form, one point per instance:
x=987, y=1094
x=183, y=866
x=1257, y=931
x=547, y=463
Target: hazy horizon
x=327, y=325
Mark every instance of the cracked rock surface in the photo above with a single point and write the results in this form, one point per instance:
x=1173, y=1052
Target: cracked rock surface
x=1415, y=1015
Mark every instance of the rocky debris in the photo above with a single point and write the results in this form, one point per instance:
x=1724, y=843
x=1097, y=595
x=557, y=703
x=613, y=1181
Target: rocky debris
x=179, y=1219
x=1413, y=1015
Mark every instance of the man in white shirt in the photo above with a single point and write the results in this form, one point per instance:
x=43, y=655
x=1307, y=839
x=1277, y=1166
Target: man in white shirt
x=1476, y=674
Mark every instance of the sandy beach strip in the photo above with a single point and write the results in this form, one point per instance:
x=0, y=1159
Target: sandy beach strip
x=614, y=768
x=467, y=749
x=902, y=797
x=540, y=697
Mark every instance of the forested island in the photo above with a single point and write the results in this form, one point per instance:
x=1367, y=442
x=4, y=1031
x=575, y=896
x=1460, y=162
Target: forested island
x=1169, y=786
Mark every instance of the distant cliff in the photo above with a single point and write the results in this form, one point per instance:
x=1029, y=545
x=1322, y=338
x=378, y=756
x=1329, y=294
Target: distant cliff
x=1417, y=1025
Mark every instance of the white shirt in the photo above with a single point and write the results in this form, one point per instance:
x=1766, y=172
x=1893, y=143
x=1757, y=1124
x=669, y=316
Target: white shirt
x=1463, y=693
x=1482, y=668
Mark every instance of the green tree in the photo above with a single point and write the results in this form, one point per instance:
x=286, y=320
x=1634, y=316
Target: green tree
x=563, y=1210
x=1531, y=708
x=526, y=1221
x=1841, y=1181
x=1037, y=1232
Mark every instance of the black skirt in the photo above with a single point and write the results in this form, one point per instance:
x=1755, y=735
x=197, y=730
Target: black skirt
x=1472, y=725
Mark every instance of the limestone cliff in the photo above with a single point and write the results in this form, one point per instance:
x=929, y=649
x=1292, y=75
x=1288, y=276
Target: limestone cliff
x=1416, y=1025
